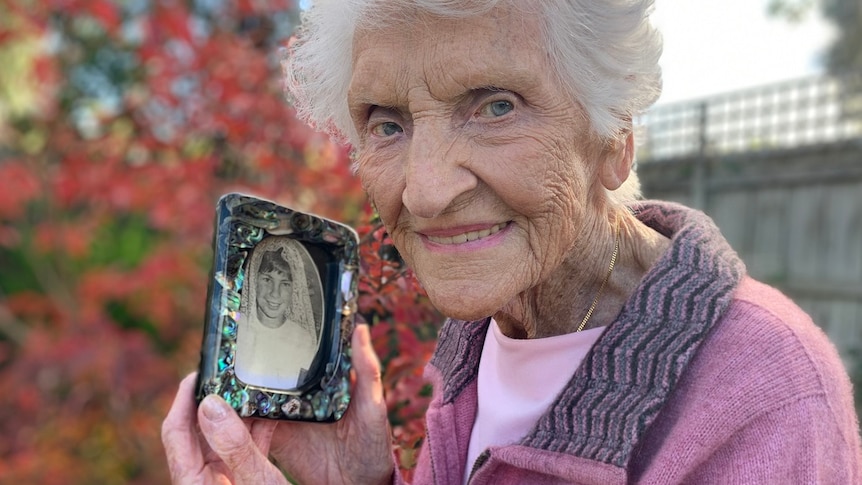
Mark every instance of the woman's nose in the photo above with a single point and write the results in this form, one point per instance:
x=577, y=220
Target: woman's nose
x=435, y=172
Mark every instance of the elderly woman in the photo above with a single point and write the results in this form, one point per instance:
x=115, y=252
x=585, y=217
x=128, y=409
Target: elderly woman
x=592, y=338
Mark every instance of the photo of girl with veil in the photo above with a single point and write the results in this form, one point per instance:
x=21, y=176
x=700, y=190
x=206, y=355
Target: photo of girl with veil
x=279, y=331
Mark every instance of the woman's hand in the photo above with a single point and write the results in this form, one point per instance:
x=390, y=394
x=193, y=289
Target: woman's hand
x=357, y=449
x=227, y=449
x=212, y=445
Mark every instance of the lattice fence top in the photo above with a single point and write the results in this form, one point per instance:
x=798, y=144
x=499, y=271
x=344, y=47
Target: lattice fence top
x=785, y=115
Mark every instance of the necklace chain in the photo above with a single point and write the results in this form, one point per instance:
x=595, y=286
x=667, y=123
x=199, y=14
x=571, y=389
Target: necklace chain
x=604, y=282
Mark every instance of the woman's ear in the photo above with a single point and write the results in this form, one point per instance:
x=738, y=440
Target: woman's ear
x=618, y=162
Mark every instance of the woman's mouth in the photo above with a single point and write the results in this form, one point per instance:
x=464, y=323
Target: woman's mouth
x=273, y=305
x=467, y=236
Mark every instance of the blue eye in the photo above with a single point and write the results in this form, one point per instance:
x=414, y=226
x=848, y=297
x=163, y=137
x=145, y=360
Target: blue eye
x=386, y=128
x=497, y=108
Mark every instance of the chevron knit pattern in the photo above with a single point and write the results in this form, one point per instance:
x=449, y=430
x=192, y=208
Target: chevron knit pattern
x=626, y=378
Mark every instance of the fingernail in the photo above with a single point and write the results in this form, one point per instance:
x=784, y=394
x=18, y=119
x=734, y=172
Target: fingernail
x=214, y=408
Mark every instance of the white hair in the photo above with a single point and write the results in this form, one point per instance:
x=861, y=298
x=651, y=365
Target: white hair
x=605, y=54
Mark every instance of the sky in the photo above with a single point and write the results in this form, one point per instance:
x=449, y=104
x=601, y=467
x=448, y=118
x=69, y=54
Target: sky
x=716, y=46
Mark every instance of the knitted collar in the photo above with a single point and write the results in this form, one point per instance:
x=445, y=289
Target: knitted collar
x=624, y=381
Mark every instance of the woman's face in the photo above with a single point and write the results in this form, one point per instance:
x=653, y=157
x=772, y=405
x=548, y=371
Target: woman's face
x=479, y=164
x=272, y=294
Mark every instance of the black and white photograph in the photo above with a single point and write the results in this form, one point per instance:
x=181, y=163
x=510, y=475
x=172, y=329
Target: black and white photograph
x=280, y=322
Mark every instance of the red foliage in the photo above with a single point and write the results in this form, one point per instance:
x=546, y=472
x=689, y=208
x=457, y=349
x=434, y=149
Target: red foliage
x=107, y=192
x=403, y=331
x=18, y=187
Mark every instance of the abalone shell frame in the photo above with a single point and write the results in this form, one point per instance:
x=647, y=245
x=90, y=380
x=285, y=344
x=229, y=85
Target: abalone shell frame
x=241, y=222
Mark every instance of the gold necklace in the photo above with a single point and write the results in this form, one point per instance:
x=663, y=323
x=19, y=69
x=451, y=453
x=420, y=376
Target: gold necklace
x=604, y=282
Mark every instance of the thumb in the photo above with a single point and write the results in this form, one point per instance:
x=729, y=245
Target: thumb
x=231, y=440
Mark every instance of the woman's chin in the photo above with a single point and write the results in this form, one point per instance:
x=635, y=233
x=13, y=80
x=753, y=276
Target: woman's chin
x=461, y=305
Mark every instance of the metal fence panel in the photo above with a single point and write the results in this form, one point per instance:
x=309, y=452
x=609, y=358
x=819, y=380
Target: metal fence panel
x=780, y=116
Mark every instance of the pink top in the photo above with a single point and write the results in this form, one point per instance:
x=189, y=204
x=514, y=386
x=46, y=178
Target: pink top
x=526, y=375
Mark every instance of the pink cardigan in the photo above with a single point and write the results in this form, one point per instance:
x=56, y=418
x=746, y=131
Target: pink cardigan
x=706, y=376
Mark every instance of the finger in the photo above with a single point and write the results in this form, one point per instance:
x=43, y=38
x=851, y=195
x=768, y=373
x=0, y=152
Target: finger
x=358, y=446
x=179, y=435
x=371, y=448
x=369, y=384
x=232, y=441
x=261, y=433
x=366, y=384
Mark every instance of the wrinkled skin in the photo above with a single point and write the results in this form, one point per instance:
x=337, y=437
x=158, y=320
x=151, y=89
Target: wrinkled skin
x=212, y=445
x=492, y=186
x=193, y=458
x=484, y=170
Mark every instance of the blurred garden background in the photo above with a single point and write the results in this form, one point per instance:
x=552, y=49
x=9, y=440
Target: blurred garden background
x=121, y=123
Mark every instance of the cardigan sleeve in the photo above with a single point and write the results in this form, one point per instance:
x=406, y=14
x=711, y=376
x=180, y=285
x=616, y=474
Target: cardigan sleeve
x=767, y=400
x=810, y=438
x=798, y=442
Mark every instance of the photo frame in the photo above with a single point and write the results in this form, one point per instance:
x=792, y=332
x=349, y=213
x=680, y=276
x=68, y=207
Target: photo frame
x=281, y=307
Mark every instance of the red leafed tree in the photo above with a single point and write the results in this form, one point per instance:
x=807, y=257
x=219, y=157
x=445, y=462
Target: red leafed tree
x=121, y=123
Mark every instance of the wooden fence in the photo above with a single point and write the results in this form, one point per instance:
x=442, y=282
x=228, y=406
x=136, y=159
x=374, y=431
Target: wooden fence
x=779, y=168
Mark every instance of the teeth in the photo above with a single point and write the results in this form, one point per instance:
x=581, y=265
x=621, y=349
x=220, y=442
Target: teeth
x=467, y=236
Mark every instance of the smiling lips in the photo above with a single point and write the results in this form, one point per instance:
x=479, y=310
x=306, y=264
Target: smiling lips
x=467, y=236
x=274, y=305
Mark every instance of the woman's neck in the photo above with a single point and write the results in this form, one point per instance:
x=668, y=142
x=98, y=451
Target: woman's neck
x=559, y=304
x=269, y=322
